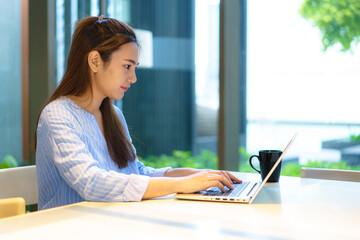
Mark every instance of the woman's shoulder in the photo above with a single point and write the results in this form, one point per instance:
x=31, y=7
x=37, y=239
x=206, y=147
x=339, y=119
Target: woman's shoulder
x=57, y=105
x=61, y=108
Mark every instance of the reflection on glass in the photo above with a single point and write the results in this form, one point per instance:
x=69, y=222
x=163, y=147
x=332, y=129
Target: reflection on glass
x=67, y=15
x=294, y=86
x=172, y=91
x=159, y=108
x=10, y=78
x=207, y=73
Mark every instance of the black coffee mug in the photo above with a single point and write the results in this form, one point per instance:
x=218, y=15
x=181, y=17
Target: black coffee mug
x=267, y=159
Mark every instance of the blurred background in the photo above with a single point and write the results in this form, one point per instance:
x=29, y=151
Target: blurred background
x=298, y=72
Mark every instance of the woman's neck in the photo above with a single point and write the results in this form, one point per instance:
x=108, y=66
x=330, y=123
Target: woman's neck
x=88, y=102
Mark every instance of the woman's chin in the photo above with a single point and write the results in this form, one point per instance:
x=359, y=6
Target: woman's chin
x=117, y=96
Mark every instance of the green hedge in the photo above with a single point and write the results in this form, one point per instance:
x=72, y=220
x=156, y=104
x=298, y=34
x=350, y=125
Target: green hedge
x=209, y=160
x=8, y=162
x=206, y=159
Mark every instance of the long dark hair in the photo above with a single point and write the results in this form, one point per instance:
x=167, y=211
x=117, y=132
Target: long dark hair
x=104, y=35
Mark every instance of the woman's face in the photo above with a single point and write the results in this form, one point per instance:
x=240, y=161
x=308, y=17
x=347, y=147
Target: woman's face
x=114, y=78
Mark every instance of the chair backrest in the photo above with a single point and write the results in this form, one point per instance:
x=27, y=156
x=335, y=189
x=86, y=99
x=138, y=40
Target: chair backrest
x=19, y=182
x=331, y=174
x=11, y=207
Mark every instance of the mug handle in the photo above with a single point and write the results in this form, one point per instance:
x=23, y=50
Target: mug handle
x=251, y=163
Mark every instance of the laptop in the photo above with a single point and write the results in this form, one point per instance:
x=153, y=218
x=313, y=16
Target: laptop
x=244, y=192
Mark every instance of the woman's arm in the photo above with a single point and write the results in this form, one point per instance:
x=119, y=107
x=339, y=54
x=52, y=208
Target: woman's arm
x=63, y=152
x=193, y=180
x=181, y=172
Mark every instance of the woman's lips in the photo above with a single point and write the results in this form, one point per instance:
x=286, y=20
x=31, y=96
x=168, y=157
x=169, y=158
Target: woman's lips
x=125, y=88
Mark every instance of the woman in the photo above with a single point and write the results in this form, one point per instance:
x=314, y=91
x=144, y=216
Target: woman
x=83, y=147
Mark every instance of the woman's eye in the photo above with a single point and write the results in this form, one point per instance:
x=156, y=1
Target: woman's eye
x=127, y=66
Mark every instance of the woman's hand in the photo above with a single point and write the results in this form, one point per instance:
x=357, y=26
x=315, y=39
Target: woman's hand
x=188, y=180
x=229, y=176
x=205, y=179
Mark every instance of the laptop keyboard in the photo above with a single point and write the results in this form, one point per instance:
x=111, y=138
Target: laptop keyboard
x=215, y=191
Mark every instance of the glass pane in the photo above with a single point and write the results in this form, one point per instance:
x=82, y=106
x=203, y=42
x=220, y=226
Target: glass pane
x=207, y=73
x=67, y=14
x=60, y=39
x=119, y=9
x=295, y=86
x=162, y=108
x=10, y=91
x=172, y=110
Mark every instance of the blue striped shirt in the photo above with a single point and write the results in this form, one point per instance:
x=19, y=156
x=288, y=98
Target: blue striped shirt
x=73, y=163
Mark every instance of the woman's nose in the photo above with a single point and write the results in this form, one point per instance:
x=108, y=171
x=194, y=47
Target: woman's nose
x=132, y=78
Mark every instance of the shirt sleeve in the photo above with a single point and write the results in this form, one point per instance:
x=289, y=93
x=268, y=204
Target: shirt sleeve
x=77, y=166
x=152, y=172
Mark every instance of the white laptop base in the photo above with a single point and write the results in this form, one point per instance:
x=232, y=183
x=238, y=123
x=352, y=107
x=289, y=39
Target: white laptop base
x=245, y=195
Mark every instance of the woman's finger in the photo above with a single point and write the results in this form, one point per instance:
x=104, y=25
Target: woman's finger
x=230, y=178
x=226, y=175
x=233, y=178
x=225, y=181
x=220, y=185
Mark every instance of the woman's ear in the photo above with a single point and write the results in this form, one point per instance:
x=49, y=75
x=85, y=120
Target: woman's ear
x=94, y=61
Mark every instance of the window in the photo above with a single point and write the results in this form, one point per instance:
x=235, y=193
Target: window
x=294, y=86
x=11, y=90
x=67, y=14
x=206, y=73
x=173, y=106
x=159, y=108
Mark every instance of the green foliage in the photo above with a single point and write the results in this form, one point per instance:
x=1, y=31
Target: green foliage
x=355, y=137
x=243, y=153
x=291, y=169
x=294, y=169
x=338, y=20
x=209, y=160
x=245, y=166
x=8, y=162
x=206, y=159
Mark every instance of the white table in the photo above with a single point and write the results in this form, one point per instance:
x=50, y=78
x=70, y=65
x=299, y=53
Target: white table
x=294, y=208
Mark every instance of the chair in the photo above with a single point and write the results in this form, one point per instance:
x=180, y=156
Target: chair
x=19, y=182
x=11, y=207
x=331, y=174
